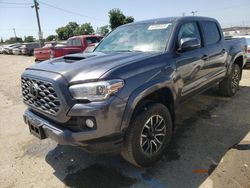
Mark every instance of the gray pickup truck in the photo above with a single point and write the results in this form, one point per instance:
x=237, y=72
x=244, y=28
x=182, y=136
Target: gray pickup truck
x=123, y=96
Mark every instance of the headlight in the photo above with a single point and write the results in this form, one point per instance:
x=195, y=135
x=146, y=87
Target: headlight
x=96, y=91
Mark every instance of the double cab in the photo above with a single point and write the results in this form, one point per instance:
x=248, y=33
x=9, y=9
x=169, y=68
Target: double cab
x=123, y=96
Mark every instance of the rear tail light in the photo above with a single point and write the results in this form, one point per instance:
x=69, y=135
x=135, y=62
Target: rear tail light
x=248, y=51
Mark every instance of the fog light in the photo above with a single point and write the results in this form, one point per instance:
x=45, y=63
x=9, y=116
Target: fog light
x=90, y=123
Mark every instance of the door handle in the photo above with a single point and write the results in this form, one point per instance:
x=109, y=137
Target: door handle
x=204, y=57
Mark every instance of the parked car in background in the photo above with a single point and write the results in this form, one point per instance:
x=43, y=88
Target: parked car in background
x=76, y=44
x=28, y=48
x=1, y=49
x=8, y=49
x=123, y=96
x=16, y=51
x=247, y=37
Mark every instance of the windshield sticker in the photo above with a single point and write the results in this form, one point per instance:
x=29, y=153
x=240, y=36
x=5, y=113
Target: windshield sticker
x=158, y=26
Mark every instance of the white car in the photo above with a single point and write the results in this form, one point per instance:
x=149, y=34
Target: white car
x=8, y=49
x=247, y=37
x=16, y=51
x=1, y=49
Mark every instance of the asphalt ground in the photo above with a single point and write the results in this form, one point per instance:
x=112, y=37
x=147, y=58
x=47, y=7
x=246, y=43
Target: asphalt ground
x=210, y=148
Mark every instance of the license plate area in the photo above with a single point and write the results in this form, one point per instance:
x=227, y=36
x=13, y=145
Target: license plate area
x=37, y=130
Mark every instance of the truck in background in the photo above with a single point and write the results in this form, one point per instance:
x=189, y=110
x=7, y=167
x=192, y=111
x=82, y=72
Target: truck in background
x=76, y=44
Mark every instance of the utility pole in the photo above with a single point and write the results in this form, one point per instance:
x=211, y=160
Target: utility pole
x=194, y=12
x=15, y=33
x=40, y=34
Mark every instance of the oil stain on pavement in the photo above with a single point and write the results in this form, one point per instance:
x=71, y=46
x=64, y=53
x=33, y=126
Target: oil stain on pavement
x=97, y=175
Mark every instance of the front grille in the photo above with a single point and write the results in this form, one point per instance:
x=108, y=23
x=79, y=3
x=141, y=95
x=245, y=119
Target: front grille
x=40, y=95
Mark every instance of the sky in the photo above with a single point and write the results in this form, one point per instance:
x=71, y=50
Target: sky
x=18, y=14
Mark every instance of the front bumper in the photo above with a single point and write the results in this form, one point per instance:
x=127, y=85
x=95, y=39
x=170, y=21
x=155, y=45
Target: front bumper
x=67, y=126
x=64, y=136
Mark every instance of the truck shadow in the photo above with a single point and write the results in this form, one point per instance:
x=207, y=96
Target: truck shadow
x=206, y=127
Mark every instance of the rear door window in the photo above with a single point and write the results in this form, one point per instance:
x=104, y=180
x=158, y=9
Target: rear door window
x=211, y=32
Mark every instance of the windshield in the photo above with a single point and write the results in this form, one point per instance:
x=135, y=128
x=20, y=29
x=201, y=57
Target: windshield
x=137, y=37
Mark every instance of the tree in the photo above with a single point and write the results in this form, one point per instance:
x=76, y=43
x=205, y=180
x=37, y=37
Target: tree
x=72, y=26
x=51, y=37
x=67, y=31
x=62, y=33
x=103, y=30
x=14, y=40
x=29, y=39
x=1, y=40
x=129, y=19
x=117, y=18
x=84, y=29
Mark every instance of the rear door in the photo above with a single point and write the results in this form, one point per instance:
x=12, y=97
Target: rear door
x=217, y=54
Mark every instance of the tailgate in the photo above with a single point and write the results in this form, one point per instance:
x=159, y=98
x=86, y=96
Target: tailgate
x=42, y=53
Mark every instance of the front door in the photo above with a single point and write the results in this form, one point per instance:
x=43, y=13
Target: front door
x=191, y=65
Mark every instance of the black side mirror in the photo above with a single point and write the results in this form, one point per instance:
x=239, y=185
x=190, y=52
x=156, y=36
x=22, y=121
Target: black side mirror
x=186, y=44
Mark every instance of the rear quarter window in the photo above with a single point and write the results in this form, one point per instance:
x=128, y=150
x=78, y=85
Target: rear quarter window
x=74, y=42
x=211, y=32
x=77, y=42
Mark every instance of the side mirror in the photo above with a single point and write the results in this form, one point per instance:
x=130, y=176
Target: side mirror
x=186, y=44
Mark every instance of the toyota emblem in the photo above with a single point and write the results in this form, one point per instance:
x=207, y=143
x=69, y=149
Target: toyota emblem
x=33, y=90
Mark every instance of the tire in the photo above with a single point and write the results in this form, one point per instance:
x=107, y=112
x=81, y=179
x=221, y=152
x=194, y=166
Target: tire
x=229, y=86
x=138, y=147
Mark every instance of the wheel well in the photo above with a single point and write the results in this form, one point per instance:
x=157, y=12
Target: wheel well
x=163, y=96
x=239, y=61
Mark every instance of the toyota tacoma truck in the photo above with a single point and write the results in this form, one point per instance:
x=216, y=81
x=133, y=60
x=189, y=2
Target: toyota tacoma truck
x=123, y=96
x=76, y=44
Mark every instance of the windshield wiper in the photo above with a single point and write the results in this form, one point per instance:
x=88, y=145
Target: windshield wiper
x=128, y=51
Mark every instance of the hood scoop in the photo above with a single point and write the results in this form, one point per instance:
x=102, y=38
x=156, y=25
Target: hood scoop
x=77, y=57
x=73, y=58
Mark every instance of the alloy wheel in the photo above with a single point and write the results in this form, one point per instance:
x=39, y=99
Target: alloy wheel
x=153, y=134
x=235, y=79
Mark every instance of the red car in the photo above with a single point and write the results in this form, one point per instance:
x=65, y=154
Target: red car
x=76, y=44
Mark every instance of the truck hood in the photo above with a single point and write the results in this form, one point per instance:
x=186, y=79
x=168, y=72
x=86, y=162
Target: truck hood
x=89, y=66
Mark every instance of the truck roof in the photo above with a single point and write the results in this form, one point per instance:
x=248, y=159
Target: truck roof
x=84, y=36
x=175, y=19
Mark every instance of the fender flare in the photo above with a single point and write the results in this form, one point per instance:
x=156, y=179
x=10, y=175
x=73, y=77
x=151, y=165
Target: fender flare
x=233, y=60
x=141, y=92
